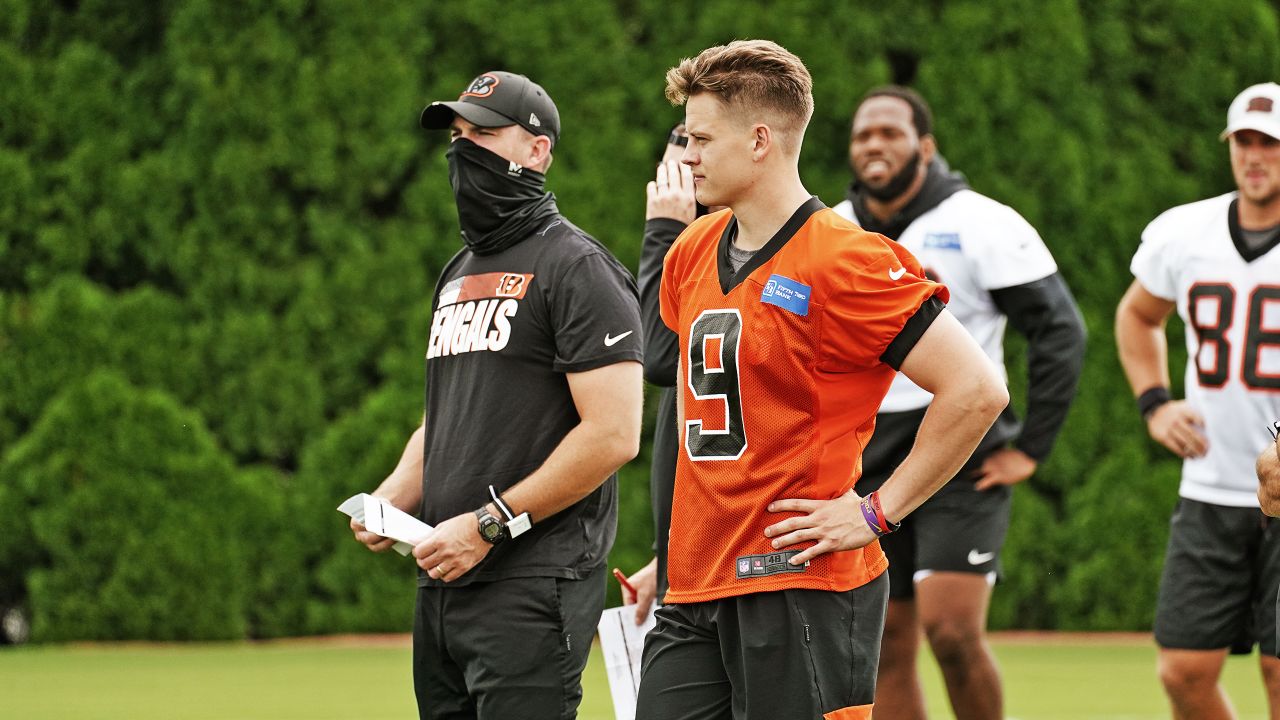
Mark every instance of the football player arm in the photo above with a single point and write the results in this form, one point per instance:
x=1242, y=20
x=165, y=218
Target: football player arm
x=669, y=208
x=1143, y=349
x=661, y=345
x=403, y=488
x=1268, y=468
x=608, y=400
x=1045, y=313
x=968, y=396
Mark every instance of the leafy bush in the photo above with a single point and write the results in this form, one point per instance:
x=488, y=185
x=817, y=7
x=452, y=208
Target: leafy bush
x=220, y=224
x=126, y=517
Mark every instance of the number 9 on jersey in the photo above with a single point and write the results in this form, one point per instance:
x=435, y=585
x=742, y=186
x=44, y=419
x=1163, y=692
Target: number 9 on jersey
x=712, y=374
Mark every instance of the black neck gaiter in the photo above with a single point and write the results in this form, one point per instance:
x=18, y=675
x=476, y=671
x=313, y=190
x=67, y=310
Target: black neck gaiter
x=499, y=202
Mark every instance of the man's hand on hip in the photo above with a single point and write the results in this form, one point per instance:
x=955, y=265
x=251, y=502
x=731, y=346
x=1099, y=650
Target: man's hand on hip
x=1008, y=466
x=830, y=524
x=1178, y=427
x=453, y=548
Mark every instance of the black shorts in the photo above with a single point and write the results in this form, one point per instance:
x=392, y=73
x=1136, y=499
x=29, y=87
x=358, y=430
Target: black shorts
x=959, y=529
x=800, y=654
x=1221, y=573
x=505, y=649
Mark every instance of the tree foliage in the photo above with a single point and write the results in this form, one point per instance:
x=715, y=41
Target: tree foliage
x=220, y=225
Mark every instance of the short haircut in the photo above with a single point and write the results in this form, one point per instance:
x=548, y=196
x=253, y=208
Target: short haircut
x=921, y=115
x=748, y=74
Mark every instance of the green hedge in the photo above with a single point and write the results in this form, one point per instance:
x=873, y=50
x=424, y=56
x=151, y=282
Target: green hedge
x=220, y=225
x=127, y=517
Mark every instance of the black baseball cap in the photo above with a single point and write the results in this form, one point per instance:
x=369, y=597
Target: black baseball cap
x=499, y=99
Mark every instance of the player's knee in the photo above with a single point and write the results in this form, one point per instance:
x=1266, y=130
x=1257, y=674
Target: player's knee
x=953, y=643
x=897, y=659
x=903, y=632
x=1182, y=677
x=1271, y=674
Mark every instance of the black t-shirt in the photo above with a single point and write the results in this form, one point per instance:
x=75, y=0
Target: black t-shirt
x=505, y=329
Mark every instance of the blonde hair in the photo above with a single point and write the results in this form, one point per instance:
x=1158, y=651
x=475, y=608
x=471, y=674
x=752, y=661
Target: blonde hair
x=749, y=75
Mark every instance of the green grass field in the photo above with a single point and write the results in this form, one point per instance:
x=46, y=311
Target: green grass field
x=1046, y=679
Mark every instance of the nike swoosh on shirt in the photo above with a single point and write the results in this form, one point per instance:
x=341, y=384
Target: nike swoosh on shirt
x=895, y=274
x=978, y=558
x=611, y=341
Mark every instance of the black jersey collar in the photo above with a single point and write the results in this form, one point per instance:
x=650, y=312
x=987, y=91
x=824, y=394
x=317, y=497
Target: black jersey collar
x=728, y=278
x=1237, y=237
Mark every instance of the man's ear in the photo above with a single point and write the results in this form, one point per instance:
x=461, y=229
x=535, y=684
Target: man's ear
x=928, y=148
x=762, y=141
x=539, y=153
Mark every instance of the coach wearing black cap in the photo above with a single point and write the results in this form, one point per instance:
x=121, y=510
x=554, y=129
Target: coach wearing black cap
x=533, y=402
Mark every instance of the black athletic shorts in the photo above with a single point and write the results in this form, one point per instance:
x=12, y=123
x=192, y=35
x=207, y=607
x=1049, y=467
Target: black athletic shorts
x=959, y=529
x=505, y=649
x=802, y=654
x=1221, y=573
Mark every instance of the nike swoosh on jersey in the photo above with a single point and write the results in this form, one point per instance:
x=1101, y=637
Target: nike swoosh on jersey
x=611, y=341
x=978, y=558
x=894, y=275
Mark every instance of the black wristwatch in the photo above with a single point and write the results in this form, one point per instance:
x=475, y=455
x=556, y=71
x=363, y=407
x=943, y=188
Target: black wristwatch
x=492, y=530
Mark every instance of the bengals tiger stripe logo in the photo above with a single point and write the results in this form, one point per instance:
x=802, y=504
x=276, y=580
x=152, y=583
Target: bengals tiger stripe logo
x=512, y=285
x=482, y=86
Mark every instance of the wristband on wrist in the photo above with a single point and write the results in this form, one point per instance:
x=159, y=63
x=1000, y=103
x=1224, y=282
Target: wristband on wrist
x=516, y=524
x=874, y=515
x=1151, y=399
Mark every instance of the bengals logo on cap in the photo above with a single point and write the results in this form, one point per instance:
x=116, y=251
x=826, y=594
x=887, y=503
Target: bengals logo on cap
x=482, y=86
x=1260, y=104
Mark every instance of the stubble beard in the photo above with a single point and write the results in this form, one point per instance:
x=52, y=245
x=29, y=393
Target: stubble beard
x=896, y=185
x=1265, y=199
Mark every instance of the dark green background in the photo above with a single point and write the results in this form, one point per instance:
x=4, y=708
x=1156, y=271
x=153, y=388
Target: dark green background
x=220, y=225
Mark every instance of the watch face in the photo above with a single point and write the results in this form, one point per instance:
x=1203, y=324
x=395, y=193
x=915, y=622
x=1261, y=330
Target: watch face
x=490, y=529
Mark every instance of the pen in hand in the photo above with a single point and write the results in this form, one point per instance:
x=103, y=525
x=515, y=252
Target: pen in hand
x=627, y=587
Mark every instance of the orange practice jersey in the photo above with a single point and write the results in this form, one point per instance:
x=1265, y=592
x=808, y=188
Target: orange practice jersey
x=781, y=379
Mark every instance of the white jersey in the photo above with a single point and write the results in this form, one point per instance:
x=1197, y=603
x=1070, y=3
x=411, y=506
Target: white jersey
x=1231, y=307
x=973, y=245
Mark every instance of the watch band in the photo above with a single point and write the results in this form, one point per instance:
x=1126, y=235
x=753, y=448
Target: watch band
x=491, y=529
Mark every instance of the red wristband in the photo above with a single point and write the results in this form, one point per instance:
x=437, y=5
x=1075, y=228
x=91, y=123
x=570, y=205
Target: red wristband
x=874, y=515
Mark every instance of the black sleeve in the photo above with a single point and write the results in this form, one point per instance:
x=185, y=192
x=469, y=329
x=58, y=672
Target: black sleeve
x=595, y=315
x=661, y=346
x=1045, y=312
x=911, y=332
x=662, y=479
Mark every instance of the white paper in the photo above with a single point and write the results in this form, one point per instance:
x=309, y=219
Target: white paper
x=382, y=518
x=621, y=643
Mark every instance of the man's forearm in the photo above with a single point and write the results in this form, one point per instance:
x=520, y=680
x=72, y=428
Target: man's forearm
x=403, y=487
x=956, y=421
x=1268, y=468
x=660, y=344
x=1045, y=312
x=968, y=395
x=1141, y=343
x=1143, y=355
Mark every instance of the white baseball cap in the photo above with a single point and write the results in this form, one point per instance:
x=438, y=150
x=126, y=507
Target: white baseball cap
x=1257, y=108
